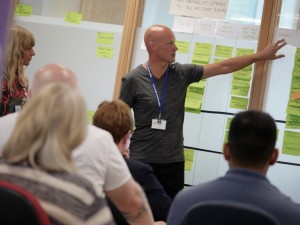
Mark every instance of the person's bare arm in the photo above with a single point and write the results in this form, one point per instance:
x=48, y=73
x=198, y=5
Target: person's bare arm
x=237, y=63
x=132, y=203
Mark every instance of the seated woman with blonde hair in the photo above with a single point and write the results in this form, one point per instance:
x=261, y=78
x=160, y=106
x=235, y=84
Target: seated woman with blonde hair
x=38, y=157
x=18, y=54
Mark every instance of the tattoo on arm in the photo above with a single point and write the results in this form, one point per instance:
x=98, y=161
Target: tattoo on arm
x=140, y=213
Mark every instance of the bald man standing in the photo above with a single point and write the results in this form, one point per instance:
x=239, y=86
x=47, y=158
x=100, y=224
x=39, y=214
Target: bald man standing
x=97, y=157
x=156, y=92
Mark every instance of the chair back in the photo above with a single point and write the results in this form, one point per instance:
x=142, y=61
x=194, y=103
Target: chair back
x=227, y=213
x=18, y=206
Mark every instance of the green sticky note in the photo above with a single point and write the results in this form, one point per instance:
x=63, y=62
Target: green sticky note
x=223, y=51
x=23, y=10
x=292, y=121
x=239, y=102
x=193, y=105
x=200, y=59
x=244, y=51
x=228, y=122
x=183, y=46
x=105, y=52
x=291, y=143
x=247, y=69
x=90, y=114
x=189, y=155
x=194, y=97
x=242, y=74
x=293, y=107
x=226, y=134
x=202, y=49
x=236, y=81
x=105, y=38
x=297, y=53
x=240, y=90
x=73, y=17
x=216, y=60
x=296, y=71
x=295, y=85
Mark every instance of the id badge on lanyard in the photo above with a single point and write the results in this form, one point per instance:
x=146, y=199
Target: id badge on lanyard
x=158, y=123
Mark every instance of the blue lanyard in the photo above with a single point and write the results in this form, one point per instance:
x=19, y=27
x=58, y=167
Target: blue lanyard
x=160, y=102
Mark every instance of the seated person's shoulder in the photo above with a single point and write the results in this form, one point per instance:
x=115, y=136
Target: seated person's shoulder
x=9, y=118
x=138, y=165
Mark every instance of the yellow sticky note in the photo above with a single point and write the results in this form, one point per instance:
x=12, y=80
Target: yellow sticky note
x=189, y=155
x=239, y=90
x=291, y=143
x=239, y=102
x=293, y=107
x=183, y=46
x=228, y=122
x=295, y=85
x=73, y=17
x=292, y=121
x=105, y=38
x=90, y=114
x=23, y=10
x=242, y=74
x=200, y=59
x=237, y=81
x=244, y=51
x=105, y=52
x=297, y=54
x=202, y=48
x=226, y=135
x=223, y=51
x=194, y=96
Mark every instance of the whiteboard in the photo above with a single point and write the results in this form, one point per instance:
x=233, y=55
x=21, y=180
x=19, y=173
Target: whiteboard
x=75, y=46
x=205, y=132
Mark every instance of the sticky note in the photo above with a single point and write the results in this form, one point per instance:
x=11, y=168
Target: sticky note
x=228, y=122
x=105, y=52
x=105, y=38
x=223, y=51
x=202, y=48
x=73, y=17
x=189, y=155
x=200, y=59
x=194, y=97
x=90, y=114
x=291, y=143
x=292, y=121
x=240, y=90
x=183, y=46
x=244, y=51
x=239, y=102
x=23, y=10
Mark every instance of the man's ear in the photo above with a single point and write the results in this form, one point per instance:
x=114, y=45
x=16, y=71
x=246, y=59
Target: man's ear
x=274, y=157
x=226, y=151
x=126, y=137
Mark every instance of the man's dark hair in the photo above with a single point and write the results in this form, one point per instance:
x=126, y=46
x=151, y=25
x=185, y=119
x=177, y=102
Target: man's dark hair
x=252, y=137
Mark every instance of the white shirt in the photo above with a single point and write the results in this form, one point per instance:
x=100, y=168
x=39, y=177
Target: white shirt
x=7, y=124
x=97, y=157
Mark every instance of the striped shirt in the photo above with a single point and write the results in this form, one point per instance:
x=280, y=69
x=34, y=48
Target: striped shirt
x=68, y=199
